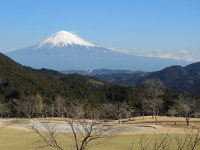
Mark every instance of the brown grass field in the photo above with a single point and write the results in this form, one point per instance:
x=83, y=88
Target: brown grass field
x=20, y=138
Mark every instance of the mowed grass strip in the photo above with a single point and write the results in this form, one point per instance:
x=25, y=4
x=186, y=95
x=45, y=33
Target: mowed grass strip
x=14, y=139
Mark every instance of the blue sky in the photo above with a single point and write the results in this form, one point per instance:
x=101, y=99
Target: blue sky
x=160, y=28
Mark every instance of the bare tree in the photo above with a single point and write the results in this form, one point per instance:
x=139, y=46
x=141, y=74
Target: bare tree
x=121, y=110
x=59, y=107
x=190, y=140
x=49, y=136
x=153, y=96
x=172, y=111
x=144, y=106
x=187, y=107
x=144, y=142
x=107, y=111
x=91, y=130
x=187, y=110
x=117, y=111
x=30, y=106
x=39, y=105
x=4, y=110
x=160, y=141
x=130, y=112
x=84, y=125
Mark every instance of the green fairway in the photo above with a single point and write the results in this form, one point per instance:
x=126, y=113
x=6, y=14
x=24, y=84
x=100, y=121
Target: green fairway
x=13, y=139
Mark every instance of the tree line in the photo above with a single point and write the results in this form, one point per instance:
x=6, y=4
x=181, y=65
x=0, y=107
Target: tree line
x=115, y=102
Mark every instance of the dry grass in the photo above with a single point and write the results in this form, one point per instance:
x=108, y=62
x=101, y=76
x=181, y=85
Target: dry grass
x=19, y=138
x=174, y=126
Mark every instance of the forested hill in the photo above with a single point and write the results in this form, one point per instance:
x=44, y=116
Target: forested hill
x=185, y=78
x=17, y=81
x=175, y=77
x=45, y=89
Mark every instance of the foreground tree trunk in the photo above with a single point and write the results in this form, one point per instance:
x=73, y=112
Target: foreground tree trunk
x=143, y=115
x=156, y=117
x=84, y=130
x=187, y=120
x=119, y=121
x=156, y=120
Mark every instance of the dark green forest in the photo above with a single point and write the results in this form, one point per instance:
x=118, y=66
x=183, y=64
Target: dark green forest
x=22, y=87
x=175, y=77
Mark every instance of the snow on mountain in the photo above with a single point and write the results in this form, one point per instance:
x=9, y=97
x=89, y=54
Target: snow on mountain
x=64, y=39
x=66, y=51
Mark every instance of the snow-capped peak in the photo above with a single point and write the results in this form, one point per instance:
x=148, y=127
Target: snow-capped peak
x=63, y=39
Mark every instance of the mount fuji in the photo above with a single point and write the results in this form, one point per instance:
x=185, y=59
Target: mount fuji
x=66, y=51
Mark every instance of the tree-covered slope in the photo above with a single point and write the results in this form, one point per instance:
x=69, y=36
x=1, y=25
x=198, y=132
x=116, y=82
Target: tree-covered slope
x=17, y=81
x=176, y=77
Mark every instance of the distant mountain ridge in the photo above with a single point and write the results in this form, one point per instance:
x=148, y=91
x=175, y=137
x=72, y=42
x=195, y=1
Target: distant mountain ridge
x=66, y=51
x=176, y=77
x=102, y=71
